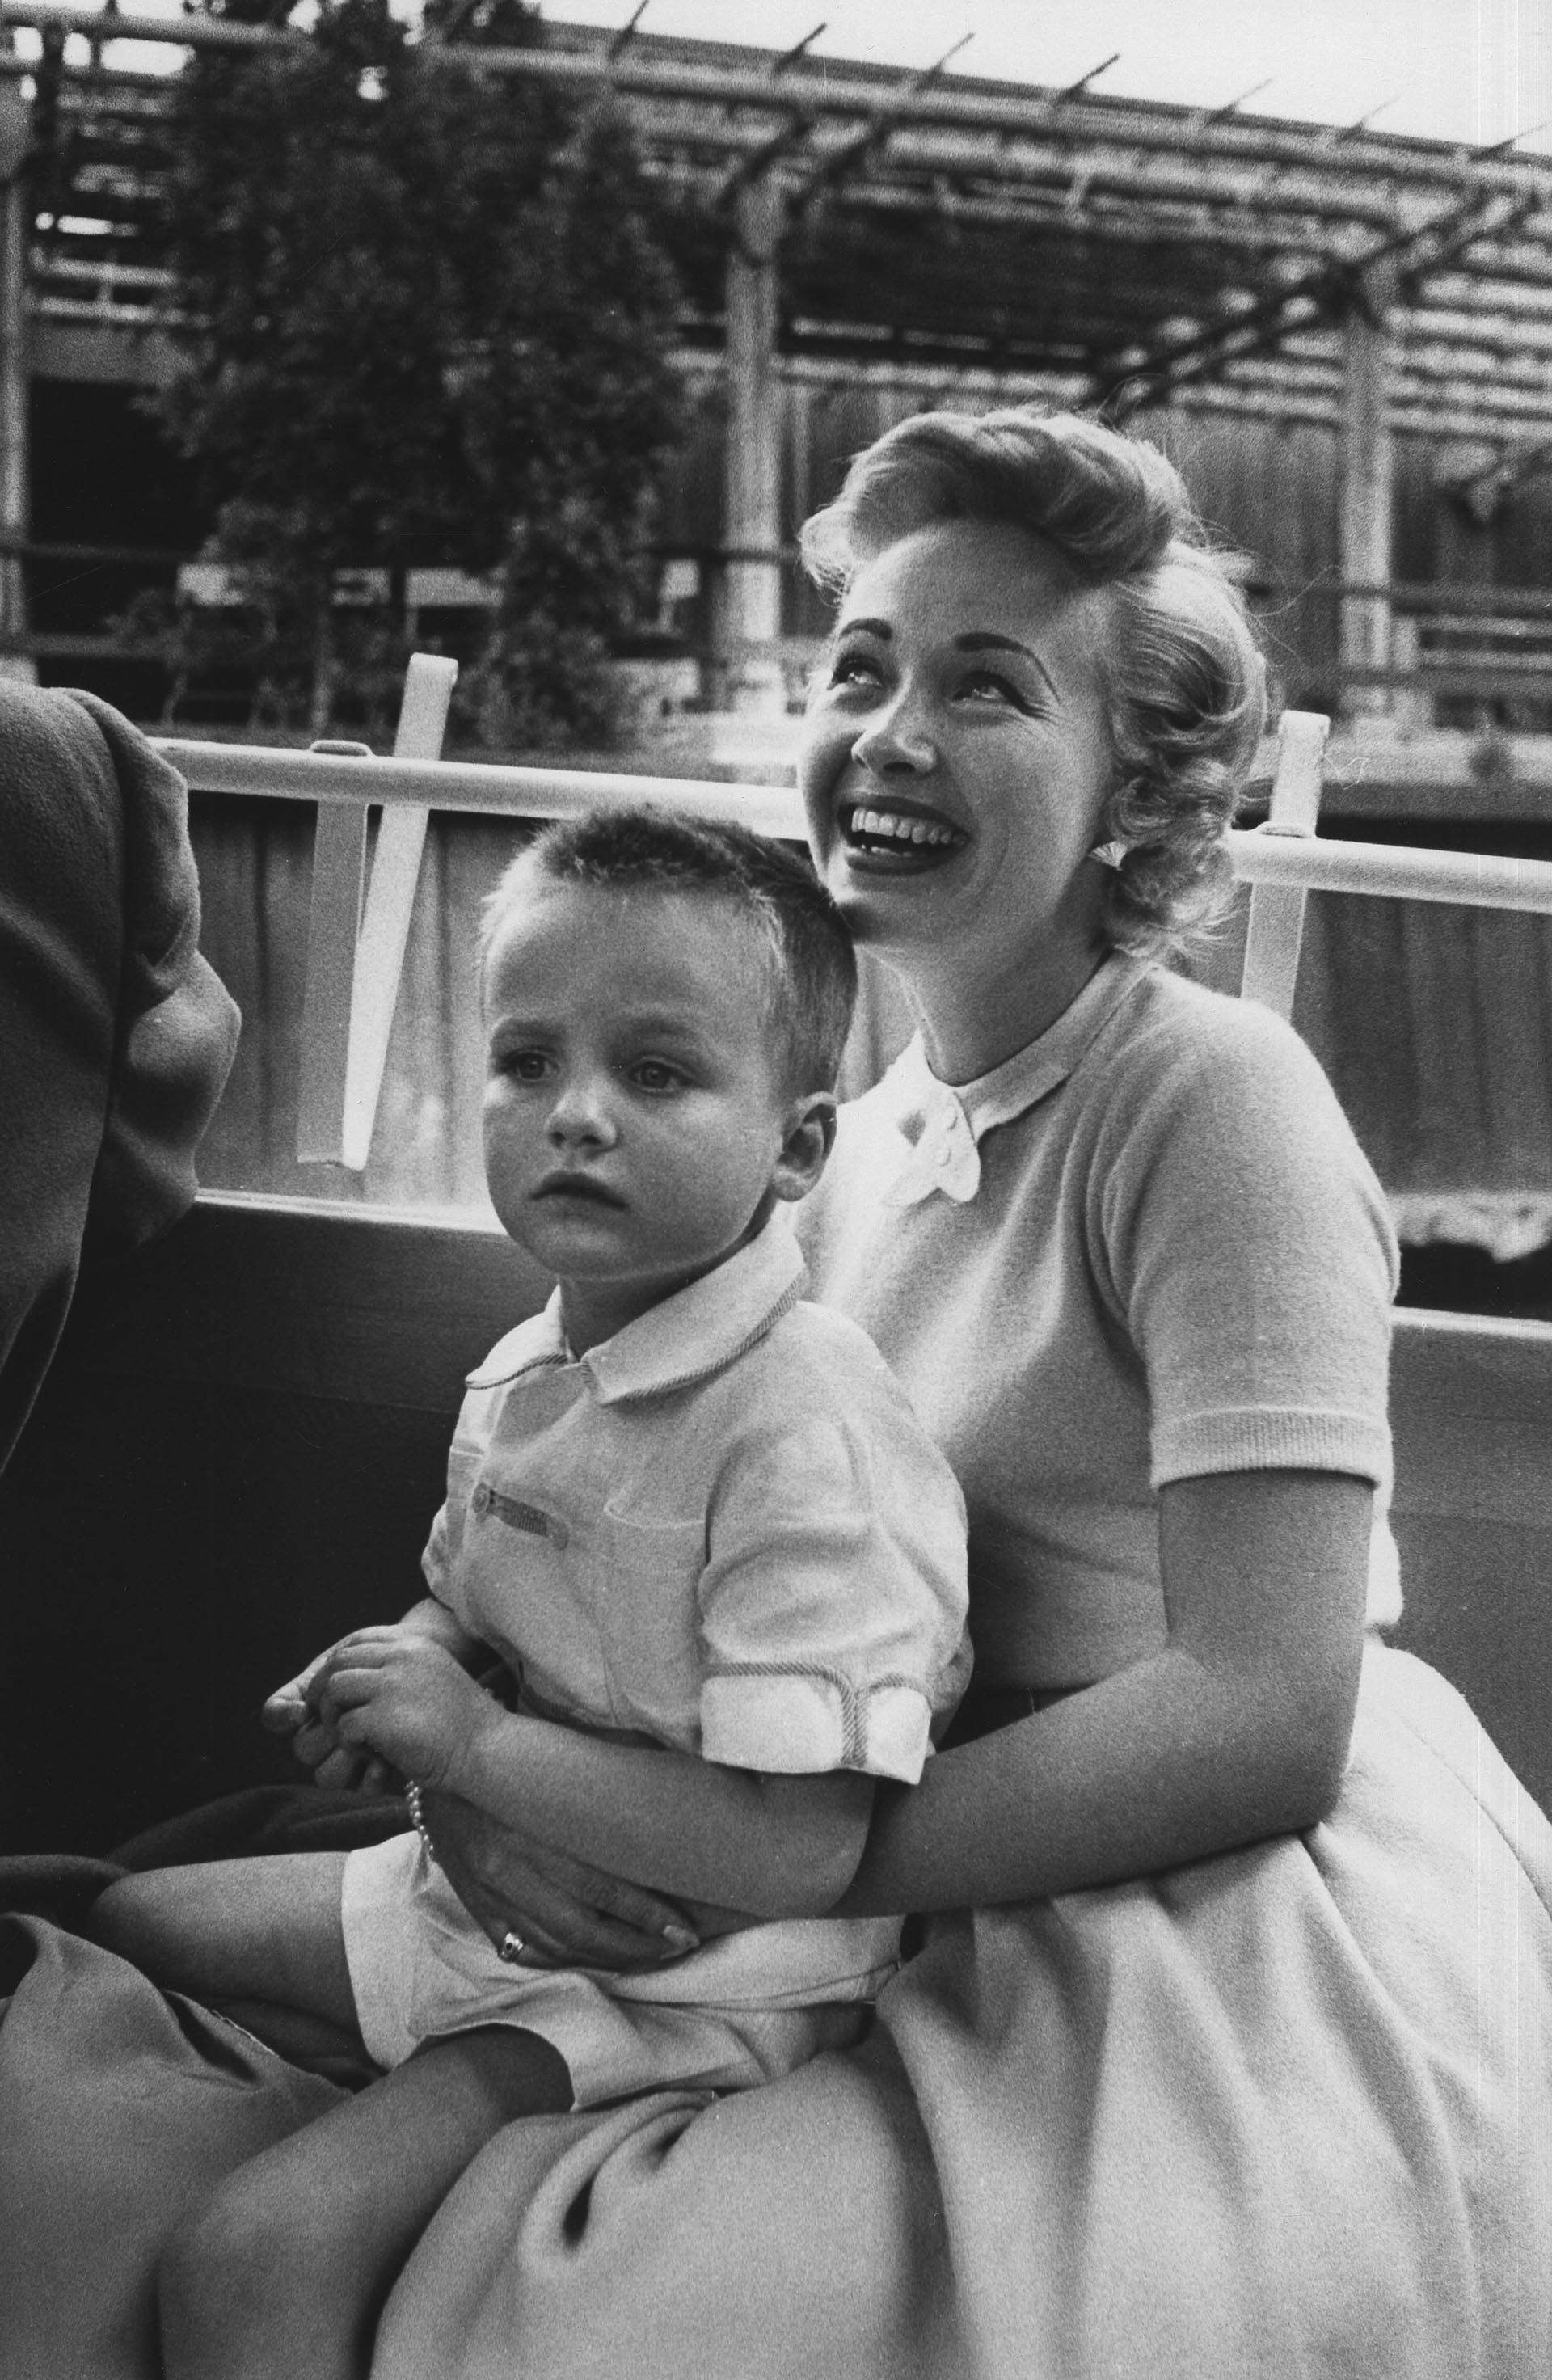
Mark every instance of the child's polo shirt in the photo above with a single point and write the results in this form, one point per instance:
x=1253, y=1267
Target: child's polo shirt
x=723, y=1528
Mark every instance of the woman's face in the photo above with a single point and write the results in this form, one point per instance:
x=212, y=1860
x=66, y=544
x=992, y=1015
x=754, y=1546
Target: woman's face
x=956, y=759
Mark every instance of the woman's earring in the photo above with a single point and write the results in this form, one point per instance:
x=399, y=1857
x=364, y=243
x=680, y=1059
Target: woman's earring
x=1108, y=855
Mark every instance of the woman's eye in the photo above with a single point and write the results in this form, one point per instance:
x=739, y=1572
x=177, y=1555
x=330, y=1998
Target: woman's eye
x=985, y=686
x=853, y=669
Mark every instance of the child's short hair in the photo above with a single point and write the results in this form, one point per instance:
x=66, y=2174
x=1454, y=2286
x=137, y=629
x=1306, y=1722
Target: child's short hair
x=811, y=966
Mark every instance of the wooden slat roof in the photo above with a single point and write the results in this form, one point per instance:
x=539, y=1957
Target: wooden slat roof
x=1102, y=249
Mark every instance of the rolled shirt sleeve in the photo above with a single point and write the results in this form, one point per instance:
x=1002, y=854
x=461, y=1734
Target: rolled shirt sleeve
x=832, y=1604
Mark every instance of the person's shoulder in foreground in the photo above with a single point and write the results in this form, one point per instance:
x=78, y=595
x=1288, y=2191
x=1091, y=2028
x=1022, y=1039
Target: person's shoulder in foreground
x=115, y=1035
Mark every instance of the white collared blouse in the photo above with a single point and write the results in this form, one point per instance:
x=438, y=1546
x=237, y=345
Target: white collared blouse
x=1146, y=1247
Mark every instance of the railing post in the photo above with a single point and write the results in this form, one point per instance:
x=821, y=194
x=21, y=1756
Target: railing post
x=1277, y=911
x=339, y=857
x=354, y=961
x=401, y=840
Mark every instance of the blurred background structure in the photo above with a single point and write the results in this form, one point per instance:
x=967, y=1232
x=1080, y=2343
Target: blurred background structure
x=534, y=342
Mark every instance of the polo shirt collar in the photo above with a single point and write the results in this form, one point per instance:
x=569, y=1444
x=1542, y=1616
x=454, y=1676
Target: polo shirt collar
x=701, y=1329
x=943, y=1123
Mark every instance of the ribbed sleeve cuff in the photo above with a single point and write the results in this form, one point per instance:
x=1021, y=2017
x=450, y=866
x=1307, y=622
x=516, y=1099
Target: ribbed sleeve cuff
x=1272, y=1437
x=805, y=1724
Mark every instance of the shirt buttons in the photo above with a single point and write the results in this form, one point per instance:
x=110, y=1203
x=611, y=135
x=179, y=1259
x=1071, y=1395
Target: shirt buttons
x=480, y=1500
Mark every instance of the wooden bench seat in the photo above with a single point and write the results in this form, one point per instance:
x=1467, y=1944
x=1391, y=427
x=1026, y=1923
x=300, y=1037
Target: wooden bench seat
x=240, y=1452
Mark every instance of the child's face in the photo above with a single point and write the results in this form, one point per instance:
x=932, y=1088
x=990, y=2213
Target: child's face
x=634, y=1124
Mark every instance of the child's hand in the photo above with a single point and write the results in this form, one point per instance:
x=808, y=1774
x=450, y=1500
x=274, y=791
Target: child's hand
x=395, y=1693
x=289, y=1712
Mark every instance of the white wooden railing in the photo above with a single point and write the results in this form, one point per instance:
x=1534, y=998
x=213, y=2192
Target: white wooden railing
x=359, y=926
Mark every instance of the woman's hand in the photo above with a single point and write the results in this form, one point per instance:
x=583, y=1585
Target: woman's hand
x=567, y=1913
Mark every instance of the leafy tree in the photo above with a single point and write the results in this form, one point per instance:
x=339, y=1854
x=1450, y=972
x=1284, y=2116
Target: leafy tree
x=433, y=326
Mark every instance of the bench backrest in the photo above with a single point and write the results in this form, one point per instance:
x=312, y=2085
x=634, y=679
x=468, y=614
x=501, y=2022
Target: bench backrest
x=242, y=1446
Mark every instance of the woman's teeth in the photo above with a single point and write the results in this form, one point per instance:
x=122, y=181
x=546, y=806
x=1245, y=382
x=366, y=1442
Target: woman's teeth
x=894, y=827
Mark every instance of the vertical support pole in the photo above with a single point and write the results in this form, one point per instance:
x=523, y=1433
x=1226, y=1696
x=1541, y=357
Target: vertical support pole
x=1277, y=911
x=753, y=480
x=339, y=861
x=1367, y=493
x=15, y=508
x=356, y=956
x=396, y=870
x=334, y=922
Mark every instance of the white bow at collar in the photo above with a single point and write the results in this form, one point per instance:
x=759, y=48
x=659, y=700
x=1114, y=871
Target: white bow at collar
x=943, y=1153
x=942, y=1127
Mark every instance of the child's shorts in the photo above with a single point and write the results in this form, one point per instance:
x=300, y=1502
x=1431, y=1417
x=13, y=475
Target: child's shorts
x=744, y=2009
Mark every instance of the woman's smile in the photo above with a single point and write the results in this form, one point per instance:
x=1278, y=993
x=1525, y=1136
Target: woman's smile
x=880, y=831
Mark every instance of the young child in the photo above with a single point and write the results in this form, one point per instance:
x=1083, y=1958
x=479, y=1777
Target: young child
x=702, y=1528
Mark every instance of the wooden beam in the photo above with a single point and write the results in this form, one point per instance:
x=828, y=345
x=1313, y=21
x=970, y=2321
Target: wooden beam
x=1367, y=486
x=1526, y=335
x=1114, y=165
x=859, y=149
x=1139, y=215
x=1273, y=403
x=752, y=477
x=15, y=473
x=1511, y=298
x=1322, y=293
x=835, y=88
x=1506, y=400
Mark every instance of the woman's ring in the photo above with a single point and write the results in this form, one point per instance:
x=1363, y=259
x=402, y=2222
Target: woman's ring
x=512, y=1947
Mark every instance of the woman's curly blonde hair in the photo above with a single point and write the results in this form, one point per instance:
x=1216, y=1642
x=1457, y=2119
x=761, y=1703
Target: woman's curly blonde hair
x=1183, y=677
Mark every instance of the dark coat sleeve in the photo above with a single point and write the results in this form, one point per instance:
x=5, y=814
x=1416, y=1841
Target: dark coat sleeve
x=115, y=1035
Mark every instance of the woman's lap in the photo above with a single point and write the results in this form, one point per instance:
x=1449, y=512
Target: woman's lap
x=1281, y=2112
x=789, y=2233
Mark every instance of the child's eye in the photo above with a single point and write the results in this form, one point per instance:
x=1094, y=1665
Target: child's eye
x=522, y=1066
x=656, y=1075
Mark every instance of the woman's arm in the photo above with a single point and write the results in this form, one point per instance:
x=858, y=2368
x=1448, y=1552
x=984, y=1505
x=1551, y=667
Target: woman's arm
x=775, y=1846
x=1236, y=1730
x=568, y=1913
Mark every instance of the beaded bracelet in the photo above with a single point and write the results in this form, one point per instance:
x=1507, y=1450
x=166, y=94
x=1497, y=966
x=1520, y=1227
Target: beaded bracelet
x=418, y=1815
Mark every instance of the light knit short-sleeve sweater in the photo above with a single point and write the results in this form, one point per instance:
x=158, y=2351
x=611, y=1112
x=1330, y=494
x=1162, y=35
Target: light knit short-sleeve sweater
x=1146, y=1247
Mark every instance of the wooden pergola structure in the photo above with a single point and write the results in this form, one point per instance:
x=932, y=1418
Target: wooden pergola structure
x=950, y=238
